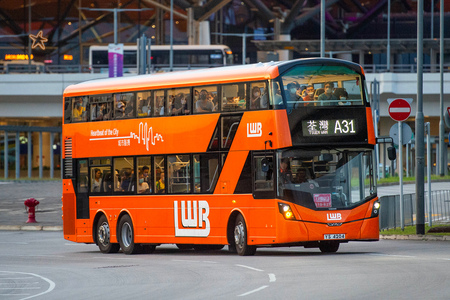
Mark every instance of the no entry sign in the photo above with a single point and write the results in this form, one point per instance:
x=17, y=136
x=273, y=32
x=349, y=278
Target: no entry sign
x=399, y=110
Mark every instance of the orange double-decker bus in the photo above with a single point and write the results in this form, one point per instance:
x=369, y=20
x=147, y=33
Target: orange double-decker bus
x=264, y=155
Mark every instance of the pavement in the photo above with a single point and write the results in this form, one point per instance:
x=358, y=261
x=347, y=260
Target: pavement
x=13, y=215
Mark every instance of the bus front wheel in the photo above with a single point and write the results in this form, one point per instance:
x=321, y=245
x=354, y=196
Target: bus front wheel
x=125, y=235
x=328, y=247
x=240, y=238
x=104, y=237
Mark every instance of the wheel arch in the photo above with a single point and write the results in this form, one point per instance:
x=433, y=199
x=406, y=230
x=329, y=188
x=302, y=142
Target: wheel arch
x=231, y=223
x=120, y=216
x=97, y=217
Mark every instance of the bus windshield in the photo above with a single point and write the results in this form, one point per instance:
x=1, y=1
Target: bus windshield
x=322, y=85
x=338, y=179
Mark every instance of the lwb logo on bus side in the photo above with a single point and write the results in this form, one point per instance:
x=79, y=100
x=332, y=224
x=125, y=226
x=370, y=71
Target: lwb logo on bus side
x=192, y=219
x=254, y=129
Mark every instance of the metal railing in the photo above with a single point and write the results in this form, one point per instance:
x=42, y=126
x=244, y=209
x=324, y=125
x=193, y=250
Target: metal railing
x=404, y=68
x=132, y=69
x=390, y=209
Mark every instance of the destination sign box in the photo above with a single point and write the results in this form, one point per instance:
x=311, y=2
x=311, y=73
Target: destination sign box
x=327, y=127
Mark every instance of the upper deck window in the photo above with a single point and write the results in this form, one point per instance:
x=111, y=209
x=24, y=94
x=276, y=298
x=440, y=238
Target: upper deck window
x=322, y=85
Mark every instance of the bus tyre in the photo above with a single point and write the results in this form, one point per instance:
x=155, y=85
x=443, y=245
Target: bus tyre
x=125, y=236
x=104, y=237
x=240, y=238
x=329, y=247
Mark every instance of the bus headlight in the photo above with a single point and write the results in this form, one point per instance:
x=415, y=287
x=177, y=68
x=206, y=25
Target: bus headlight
x=376, y=208
x=286, y=211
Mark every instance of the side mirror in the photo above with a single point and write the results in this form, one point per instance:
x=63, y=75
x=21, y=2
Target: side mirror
x=392, y=155
x=264, y=165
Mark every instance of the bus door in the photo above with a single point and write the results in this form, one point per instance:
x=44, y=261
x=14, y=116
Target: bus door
x=82, y=189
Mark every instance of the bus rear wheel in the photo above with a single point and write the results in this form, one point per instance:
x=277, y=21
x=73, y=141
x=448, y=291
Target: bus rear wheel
x=104, y=237
x=328, y=247
x=125, y=235
x=240, y=238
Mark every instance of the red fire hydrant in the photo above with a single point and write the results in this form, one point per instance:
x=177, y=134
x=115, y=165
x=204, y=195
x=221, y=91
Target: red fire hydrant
x=30, y=205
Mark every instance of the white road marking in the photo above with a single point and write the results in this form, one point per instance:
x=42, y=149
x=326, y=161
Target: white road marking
x=19, y=278
x=254, y=291
x=12, y=278
x=50, y=288
x=21, y=288
x=16, y=243
x=254, y=269
x=272, y=277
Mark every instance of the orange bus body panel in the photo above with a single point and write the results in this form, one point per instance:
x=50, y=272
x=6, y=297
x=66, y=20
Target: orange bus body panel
x=154, y=220
x=68, y=208
x=154, y=217
x=370, y=128
x=173, y=135
x=142, y=136
x=273, y=125
x=229, y=177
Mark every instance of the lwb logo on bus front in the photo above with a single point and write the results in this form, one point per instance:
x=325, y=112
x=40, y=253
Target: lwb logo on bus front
x=254, y=129
x=192, y=219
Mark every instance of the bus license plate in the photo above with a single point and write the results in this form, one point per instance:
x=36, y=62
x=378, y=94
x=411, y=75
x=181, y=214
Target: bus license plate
x=336, y=236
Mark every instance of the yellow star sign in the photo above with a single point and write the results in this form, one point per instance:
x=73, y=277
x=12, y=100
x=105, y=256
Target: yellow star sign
x=38, y=40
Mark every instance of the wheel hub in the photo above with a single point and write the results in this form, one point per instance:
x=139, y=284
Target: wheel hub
x=239, y=235
x=127, y=233
x=103, y=234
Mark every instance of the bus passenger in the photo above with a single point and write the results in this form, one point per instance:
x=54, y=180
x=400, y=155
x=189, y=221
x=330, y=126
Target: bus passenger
x=126, y=180
x=300, y=177
x=145, y=171
x=142, y=185
x=285, y=171
x=293, y=94
x=159, y=105
x=309, y=94
x=342, y=95
x=96, y=181
x=79, y=111
x=203, y=104
x=292, y=91
x=141, y=109
x=328, y=94
x=129, y=108
x=120, y=110
x=179, y=105
x=160, y=184
x=276, y=92
x=255, y=99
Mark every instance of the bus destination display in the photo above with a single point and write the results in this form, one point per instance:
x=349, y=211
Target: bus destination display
x=329, y=127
